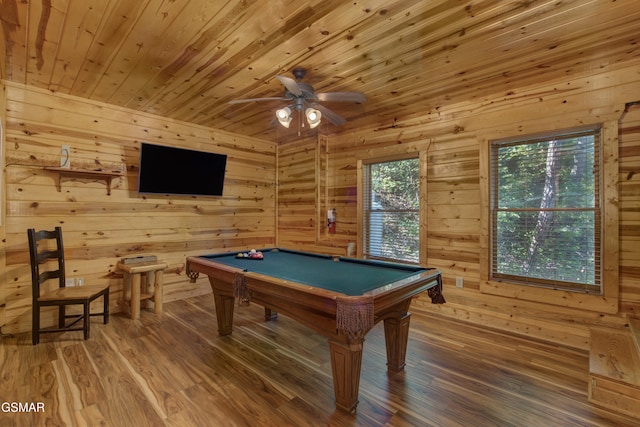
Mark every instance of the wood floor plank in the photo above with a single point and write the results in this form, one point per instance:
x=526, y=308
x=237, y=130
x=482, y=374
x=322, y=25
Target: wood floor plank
x=126, y=404
x=174, y=370
x=83, y=375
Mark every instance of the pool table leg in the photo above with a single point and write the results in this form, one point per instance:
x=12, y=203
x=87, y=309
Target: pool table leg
x=396, y=336
x=224, y=312
x=346, y=362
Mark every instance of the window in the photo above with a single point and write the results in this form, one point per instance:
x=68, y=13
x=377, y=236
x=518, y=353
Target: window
x=391, y=210
x=546, y=211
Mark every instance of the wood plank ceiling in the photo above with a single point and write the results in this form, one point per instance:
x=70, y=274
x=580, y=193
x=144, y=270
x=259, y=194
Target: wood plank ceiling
x=187, y=59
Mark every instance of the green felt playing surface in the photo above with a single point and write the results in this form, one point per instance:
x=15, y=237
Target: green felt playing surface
x=348, y=276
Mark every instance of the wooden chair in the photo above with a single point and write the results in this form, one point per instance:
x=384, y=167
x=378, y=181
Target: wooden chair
x=41, y=251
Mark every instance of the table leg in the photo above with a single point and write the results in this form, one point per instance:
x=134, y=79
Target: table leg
x=224, y=313
x=145, y=283
x=127, y=286
x=346, y=363
x=270, y=314
x=135, y=296
x=157, y=292
x=396, y=335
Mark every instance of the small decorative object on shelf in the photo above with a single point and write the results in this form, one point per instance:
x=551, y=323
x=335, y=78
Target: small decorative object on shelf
x=252, y=254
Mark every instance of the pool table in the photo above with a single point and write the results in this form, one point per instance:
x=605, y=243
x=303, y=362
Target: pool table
x=341, y=298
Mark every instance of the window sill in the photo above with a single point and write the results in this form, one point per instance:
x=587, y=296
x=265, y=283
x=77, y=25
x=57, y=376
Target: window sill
x=596, y=303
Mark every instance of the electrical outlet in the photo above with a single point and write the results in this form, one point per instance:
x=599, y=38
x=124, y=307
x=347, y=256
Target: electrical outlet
x=80, y=281
x=65, y=156
x=459, y=282
x=69, y=281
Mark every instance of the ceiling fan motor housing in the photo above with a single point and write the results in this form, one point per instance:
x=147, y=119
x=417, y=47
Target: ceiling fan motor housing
x=299, y=73
x=308, y=94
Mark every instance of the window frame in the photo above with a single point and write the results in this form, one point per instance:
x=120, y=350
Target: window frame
x=362, y=164
x=607, y=301
x=495, y=210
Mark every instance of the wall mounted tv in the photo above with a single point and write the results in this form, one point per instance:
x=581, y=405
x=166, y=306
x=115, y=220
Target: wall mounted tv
x=171, y=170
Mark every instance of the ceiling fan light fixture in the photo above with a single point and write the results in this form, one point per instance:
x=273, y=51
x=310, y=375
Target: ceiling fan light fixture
x=313, y=117
x=284, y=116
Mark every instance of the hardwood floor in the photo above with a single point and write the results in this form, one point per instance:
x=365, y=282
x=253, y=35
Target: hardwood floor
x=174, y=370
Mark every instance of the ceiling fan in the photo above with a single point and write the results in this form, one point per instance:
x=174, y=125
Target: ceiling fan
x=302, y=98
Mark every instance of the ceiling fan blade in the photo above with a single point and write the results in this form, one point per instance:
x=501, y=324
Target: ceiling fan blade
x=290, y=84
x=242, y=101
x=341, y=97
x=333, y=117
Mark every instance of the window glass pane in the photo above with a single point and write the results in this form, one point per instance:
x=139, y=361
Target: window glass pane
x=559, y=172
x=394, y=235
x=392, y=214
x=562, y=252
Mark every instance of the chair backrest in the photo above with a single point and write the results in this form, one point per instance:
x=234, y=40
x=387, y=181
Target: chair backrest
x=43, y=253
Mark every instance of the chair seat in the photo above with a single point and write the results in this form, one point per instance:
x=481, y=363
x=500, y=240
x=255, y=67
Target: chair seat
x=78, y=293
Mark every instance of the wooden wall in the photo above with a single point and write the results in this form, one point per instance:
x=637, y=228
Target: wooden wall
x=99, y=229
x=297, y=220
x=629, y=192
x=3, y=241
x=302, y=198
x=453, y=139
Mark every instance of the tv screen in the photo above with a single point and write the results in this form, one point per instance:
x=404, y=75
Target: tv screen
x=170, y=170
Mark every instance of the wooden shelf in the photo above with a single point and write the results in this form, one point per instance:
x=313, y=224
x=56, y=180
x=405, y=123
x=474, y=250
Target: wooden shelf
x=107, y=176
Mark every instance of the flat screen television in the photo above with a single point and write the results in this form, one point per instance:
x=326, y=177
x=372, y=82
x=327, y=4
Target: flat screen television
x=171, y=170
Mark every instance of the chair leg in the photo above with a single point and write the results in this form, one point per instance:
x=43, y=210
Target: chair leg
x=62, y=316
x=35, y=324
x=87, y=320
x=106, y=307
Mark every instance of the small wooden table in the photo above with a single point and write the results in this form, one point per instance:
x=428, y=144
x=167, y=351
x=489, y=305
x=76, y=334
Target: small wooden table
x=154, y=272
